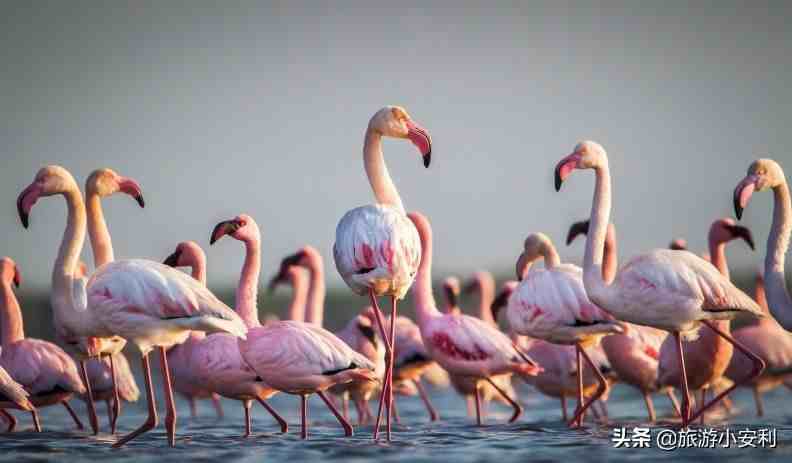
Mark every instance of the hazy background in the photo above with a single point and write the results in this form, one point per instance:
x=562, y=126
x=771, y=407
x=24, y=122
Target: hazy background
x=221, y=108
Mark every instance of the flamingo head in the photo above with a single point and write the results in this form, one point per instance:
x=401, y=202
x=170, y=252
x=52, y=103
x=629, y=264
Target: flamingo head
x=678, y=244
x=587, y=155
x=502, y=298
x=393, y=121
x=726, y=229
x=106, y=182
x=288, y=275
x=536, y=245
x=9, y=272
x=451, y=290
x=241, y=227
x=763, y=174
x=186, y=254
x=50, y=180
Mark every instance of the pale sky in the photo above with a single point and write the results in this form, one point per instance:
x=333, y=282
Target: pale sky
x=218, y=108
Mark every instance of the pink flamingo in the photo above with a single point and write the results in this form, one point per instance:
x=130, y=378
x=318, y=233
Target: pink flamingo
x=551, y=304
x=768, y=340
x=376, y=249
x=297, y=278
x=462, y=344
x=43, y=369
x=148, y=303
x=183, y=375
x=707, y=357
x=14, y=396
x=766, y=174
x=634, y=354
x=110, y=374
x=289, y=356
x=672, y=290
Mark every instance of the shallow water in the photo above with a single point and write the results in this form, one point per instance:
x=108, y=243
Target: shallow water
x=538, y=435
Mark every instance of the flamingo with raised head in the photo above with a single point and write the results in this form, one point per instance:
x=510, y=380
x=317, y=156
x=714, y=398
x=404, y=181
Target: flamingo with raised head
x=43, y=369
x=767, y=174
x=377, y=250
x=183, y=375
x=462, y=344
x=634, y=354
x=14, y=396
x=672, y=290
x=551, y=304
x=150, y=304
x=289, y=356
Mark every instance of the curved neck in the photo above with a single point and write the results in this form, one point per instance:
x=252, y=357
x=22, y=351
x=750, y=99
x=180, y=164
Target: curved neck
x=299, y=284
x=610, y=262
x=316, y=294
x=777, y=246
x=761, y=299
x=11, y=324
x=596, y=287
x=425, y=304
x=717, y=251
x=101, y=244
x=198, y=271
x=247, y=290
x=377, y=172
x=486, y=285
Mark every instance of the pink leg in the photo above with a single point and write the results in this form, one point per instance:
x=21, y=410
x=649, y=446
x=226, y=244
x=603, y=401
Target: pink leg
x=685, y=388
x=151, y=421
x=109, y=408
x=170, y=404
x=217, y=406
x=345, y=405
x=758, y=401
x=36, y=422
x=517, y=407
x=283, y=424
x=477, y=396
x=757, y=369
x=92, y=418
x=116, y=397
x=12, y=422
x=649, y=406
x=601, y=389
x=77, y=421
x=433, y=415
x=577, y=421
x=348, y=431
x=674, y=402
x=387, y=382
x=390, y=363
x=564, y=414
x=246, y=404
x=304, y=412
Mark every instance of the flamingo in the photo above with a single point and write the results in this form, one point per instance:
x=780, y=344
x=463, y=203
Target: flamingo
x=767, y=174
x=185, y=381
x=707, y=357
x=634, y=354
x=672, y=290
x=462, y=344
x=768, y=340
x=150, y=304
x=552, y=305
x=297, y=278
x=289, y=356
x=377, y=250
x=43, y=369
x=14, y=395
x=110, y=377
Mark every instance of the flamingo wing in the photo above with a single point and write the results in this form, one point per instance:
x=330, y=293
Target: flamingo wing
x=13, y=391
x=466, y=338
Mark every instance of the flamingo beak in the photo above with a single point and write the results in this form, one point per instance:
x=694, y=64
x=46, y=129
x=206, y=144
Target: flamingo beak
x=451, y=295
x=678, y=245
x=744, y=233
x=26, y=200
x=742, y=195
x=577, y=228
x=274, y=282
x=520, y=267
x=131, y=187
x=173, y=259
x=17, y=277
x=227, y=227
x=421, y=139
x=564, y=169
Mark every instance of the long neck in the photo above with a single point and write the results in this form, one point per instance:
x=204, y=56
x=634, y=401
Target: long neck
x=777, y=245
x=486, y=286
x=299, y=285
x=598, y=229
x=11, y=324
x=377, y=172
x=425, y=304
x=717, y=251
x=316, y=294
x=198, y=272
x=610, y=261
x=101, y=244
x=247, y=290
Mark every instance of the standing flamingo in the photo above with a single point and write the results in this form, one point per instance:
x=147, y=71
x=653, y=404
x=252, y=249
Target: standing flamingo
x=110, y=377
x=462, y=344
x=13, y=396
x=289, y=356
x=634, y=354
x=766, y=174
x=672, y=290
x=185, y=381
x=148, y=303
x=376, y=249
x=551, y=304
x=46, y=372
x=707, y=357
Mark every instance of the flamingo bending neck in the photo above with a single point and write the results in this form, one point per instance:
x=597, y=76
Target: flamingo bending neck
x=374, y=162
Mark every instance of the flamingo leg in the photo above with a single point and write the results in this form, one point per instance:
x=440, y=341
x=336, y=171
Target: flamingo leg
x=388, y=350
x=728, y=404
x=77, y=421
x=517, y=407
x=151, y=421
x=470, y=405
x=601, y=389
x=390, y=365
x=116, y=397
x=685, y=389
x=649, y=406
x=283, y=424
x=345, y=406
x=109, y=407
x=433, y=415
x=564, y=414
x=217, y=405
x=577, y=421
x=170, y=404
x=12, y=422
x=304, y=413
x=758, y=400
x=477, y=396
x=246, y=404
x=395, y=411
x=348, y=430
x=674, y=402
x=757, y=369
x=36, y=421
x=92, y=418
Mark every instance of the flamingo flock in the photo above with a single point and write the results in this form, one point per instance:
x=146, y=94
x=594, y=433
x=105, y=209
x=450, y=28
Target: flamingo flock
x=659, y=322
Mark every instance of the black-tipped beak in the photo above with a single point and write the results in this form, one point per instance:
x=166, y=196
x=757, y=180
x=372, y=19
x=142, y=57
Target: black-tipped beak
x=744, y=233
x=499, y=303
x=451, y=296
x=141, y=202
x=558, y=180
x=577, y=228
x=23, y=215
x=273, y=283
x=226, y=227
x=17, y=278
x=173, y=259
x=427, y=159
x=738, y=209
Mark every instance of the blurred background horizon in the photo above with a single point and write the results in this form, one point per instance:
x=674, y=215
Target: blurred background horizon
x=256, y=107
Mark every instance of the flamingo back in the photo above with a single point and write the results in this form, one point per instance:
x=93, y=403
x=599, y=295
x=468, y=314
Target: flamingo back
x=41, y=367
